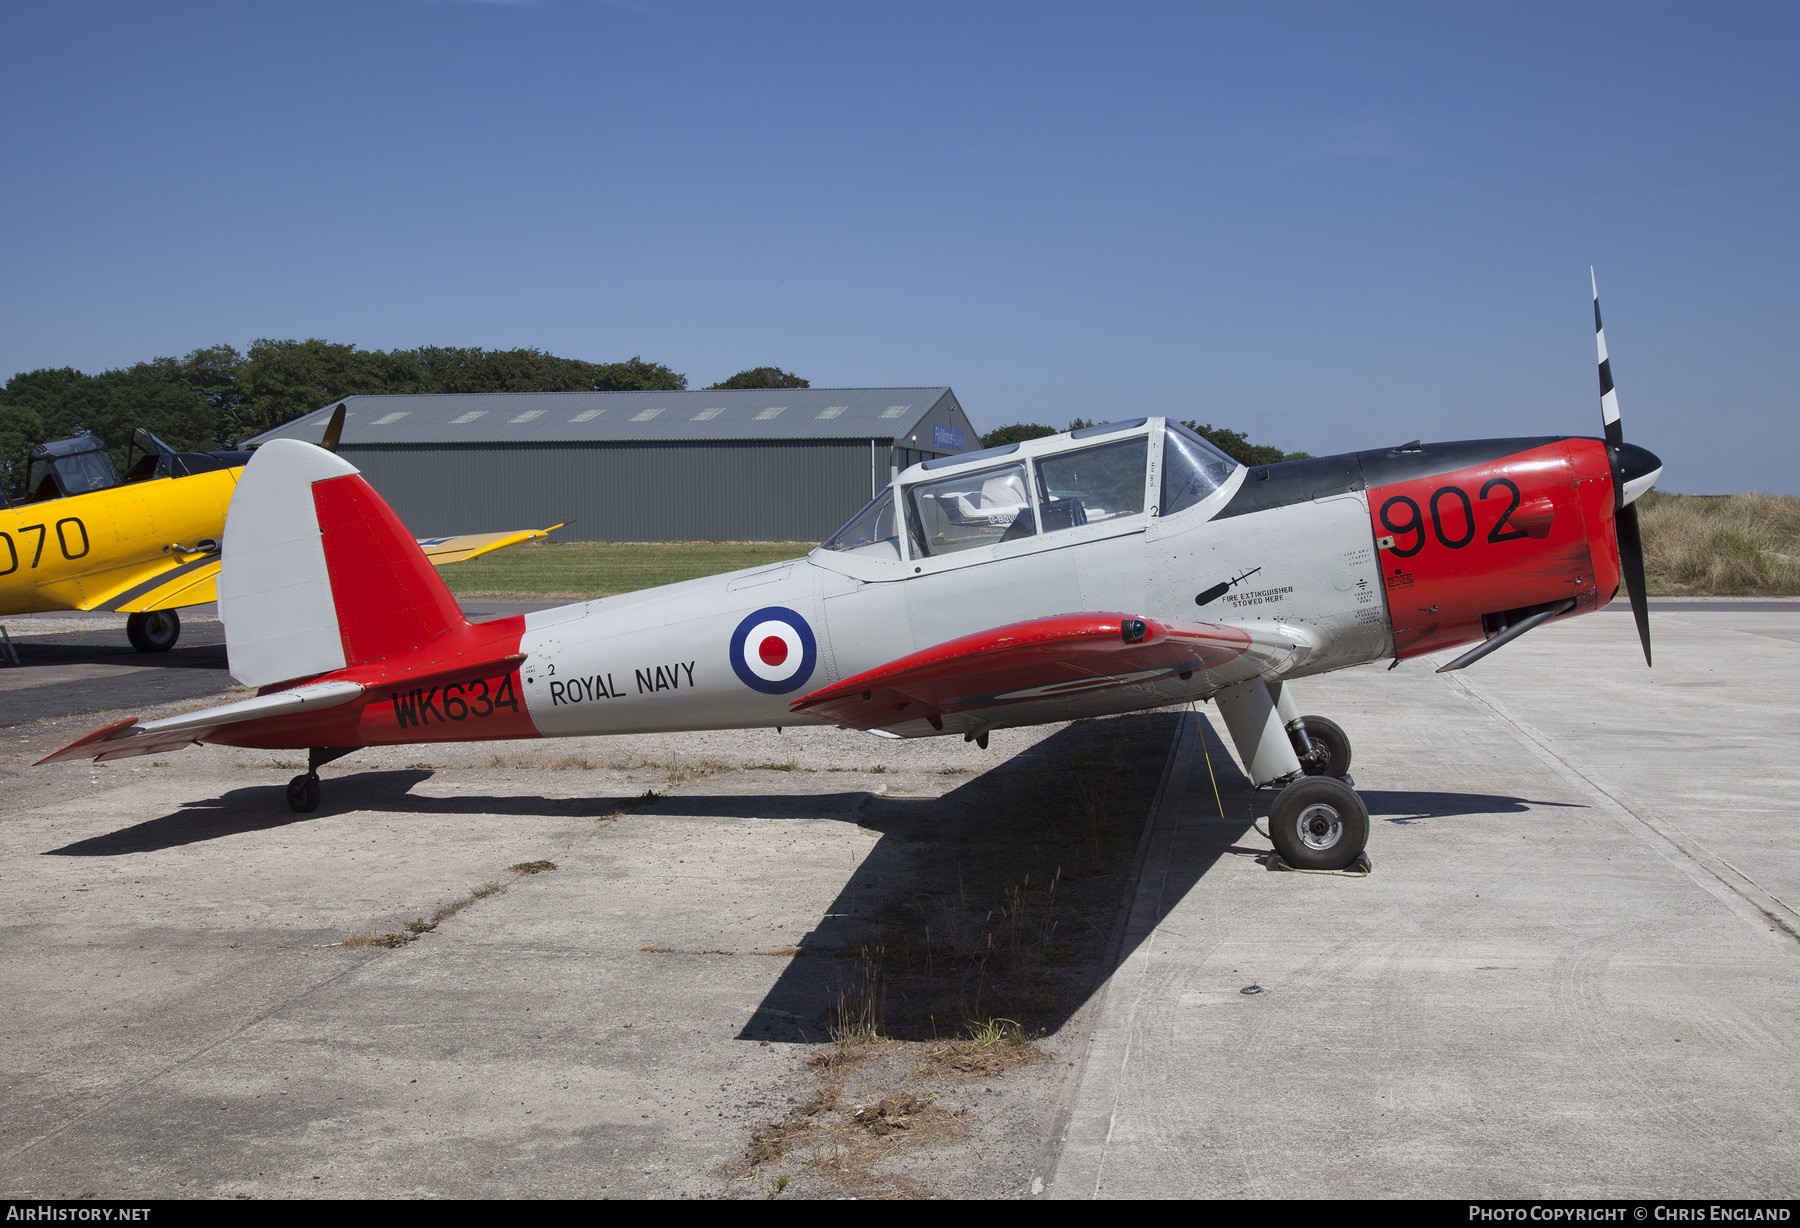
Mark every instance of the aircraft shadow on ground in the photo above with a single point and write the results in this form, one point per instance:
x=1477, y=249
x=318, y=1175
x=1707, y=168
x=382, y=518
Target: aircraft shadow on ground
x=1401, y=806
x=998, y=899
x=264, y=808
x=41, y=651
x=950, y=920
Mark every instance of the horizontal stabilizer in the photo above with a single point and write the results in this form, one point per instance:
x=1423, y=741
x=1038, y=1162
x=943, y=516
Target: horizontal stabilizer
x=123, y=739
x=1046, y=661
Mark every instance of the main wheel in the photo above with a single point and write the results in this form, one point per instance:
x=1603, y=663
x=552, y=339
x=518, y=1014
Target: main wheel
x=1319, y=823
x=303, y=794
x=1331, y=748
x=156, y=631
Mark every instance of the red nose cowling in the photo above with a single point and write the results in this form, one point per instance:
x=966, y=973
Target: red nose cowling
x=1466, y=553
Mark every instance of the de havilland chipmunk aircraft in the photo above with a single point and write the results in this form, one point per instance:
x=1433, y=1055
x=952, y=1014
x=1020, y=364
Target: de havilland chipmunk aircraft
x=1105, y=570
x=85, y=537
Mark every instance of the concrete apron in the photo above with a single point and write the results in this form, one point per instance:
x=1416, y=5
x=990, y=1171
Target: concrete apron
x=1572, y=973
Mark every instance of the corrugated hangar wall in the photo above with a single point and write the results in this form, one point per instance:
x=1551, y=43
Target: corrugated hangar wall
x=784, y=490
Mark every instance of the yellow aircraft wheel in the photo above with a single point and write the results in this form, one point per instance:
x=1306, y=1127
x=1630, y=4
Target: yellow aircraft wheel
x=156, y=631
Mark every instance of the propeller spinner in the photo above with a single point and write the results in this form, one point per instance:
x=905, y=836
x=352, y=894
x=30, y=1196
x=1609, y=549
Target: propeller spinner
x=1634, y=471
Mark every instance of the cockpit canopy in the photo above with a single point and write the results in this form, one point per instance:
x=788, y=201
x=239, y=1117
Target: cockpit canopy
x=75, y=466
x=82, y=465
x=1083, y=477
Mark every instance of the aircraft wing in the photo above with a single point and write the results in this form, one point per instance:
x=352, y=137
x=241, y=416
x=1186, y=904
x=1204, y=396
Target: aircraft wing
x=184, y=580
x=180, y=583
x=195, y=581
x=442, y=550
x=1059, y=668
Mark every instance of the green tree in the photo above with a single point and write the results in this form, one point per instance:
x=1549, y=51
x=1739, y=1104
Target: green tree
x=1238, y=448
x=456, y=369
x=239, y=395
x=636, y=375
x=282, y=380
x=1019, y=432
x=19, y=429
x=763, y=377
x=112, y=405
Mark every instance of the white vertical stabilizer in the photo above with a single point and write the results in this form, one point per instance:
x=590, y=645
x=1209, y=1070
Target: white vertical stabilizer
x=274, y=591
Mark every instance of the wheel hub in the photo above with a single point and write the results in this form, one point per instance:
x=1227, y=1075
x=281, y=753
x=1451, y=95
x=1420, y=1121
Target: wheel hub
x=1319, y=827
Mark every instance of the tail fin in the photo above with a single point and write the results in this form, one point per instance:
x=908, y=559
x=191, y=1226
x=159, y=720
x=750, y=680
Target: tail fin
x=318, y=573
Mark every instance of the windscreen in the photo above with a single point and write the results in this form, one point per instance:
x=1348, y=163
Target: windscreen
x=874, y=526
x=1192, y=469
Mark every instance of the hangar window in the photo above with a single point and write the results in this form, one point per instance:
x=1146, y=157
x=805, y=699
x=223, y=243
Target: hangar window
x=1094, y=484
x=873, y=531
x=971, y=509
x=1192, y=469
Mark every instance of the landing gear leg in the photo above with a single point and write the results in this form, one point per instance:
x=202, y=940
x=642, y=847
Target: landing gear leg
x=1317, y=821
x=303, y=791
x=156, y=631
x=1257, y=732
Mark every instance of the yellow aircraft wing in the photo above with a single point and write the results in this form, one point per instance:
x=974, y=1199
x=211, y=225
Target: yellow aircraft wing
x=192, y=582
x=442, y=550
x=195, y=581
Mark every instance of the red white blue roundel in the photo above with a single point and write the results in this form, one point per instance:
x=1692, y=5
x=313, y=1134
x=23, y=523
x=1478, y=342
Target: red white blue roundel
x=773, y=650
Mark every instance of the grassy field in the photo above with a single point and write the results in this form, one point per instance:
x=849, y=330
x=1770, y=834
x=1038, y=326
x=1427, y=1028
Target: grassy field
x=597, y=569
x=1723, y=545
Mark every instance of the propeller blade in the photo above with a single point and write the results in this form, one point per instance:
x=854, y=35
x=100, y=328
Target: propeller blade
x=1631, y=466
x=1631, y=562
x=333, y=430
x=1609, y=399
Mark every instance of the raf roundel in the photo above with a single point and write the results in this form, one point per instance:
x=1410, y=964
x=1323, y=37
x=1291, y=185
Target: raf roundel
x=773, y=651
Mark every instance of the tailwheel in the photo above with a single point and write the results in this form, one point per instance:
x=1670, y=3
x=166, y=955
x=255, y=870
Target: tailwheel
x=156, y=631
x=1319, y=823
x=1330, y=751
x=303, y=793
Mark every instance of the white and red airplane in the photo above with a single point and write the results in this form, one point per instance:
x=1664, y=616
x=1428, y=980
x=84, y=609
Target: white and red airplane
x=1104, y=570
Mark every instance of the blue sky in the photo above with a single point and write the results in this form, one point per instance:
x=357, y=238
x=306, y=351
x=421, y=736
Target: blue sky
x=1329, y=226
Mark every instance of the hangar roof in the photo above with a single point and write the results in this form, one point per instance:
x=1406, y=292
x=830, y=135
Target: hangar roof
x=567, y=417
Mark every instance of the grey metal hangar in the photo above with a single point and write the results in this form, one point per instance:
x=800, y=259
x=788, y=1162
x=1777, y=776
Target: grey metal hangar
x=789, y=464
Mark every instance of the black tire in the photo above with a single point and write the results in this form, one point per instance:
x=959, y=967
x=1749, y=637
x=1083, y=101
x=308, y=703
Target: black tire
x=303, y=794
x=1319, y=823
x=1331, y=748
x=156, y=631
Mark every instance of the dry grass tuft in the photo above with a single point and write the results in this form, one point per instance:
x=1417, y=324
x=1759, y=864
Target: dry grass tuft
x=990, y=1047
x=1728, y=545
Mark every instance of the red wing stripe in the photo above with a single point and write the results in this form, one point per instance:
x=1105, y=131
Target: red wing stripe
x=1022, y=663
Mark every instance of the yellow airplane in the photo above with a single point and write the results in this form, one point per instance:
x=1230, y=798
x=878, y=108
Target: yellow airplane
x=145, y=543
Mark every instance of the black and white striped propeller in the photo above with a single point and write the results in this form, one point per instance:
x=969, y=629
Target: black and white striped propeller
x=1634, y=471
